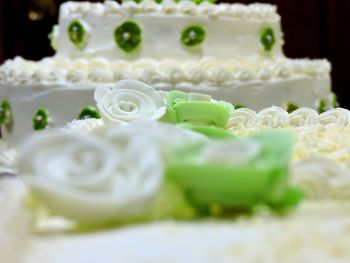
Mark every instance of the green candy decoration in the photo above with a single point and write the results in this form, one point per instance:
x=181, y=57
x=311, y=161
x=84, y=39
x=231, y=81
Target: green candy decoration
x=5, y=112
x=192, y=36
x=128, y=36
x=40, y=119
x=89, y=112
x=239, y=106
x=78, y=34
x=267, y=38
x=247, y=173
x=334, y=99
x=182, y=108
x=290, y=107
x=322, y=106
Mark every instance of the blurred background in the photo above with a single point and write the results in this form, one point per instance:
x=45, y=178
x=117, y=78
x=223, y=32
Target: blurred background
x=313, y=28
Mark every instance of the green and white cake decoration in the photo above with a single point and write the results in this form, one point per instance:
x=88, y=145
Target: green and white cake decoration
x=53, y=36
x=267, y=39
x=40, y=119
x=193, y=36
x=89, y=112
x=78, y=33
x=5, y=112
x=128, y=36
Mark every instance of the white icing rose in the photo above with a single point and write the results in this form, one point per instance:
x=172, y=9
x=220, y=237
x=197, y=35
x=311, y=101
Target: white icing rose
x=242, y=119
x=129, y=101
x=89, y=180
x=273, y=117
x=303, y=116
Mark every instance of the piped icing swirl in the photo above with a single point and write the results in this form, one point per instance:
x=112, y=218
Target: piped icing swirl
x=277, y=117
x=210, y=71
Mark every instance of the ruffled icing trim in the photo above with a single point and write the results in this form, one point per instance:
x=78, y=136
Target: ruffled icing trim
x=206, y=71
x=261, y=12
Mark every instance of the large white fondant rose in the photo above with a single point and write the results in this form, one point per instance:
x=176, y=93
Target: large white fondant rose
x=129, y=101
x=89, y=180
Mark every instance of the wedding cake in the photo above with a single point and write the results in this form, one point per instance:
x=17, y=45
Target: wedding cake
x=229, y=51
x=183, y=134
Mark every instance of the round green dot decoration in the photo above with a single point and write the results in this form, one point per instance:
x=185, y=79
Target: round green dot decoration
x=40, y=119
x=322, y=106
x=89, y=112
x=5, y=112
x=128, y=36
x=192, y=36
x=290, y=107
x=77, y=34
x=267, y=38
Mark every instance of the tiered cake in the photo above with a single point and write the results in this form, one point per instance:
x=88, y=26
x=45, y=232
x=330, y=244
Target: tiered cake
x=230, y=51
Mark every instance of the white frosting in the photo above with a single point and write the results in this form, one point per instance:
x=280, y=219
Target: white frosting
x=263, y=12
x=129, y=101
x=232, y=30
x=15, y=220
x=314, y=232
x=8, y=159
x=276, y=117
x=321, y=178
x=206, y=71
x=82, y=126
x=88, y=179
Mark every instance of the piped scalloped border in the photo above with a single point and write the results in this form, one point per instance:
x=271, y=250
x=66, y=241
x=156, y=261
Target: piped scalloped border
x=276, y=117
x=205, y=71
x=251, y=12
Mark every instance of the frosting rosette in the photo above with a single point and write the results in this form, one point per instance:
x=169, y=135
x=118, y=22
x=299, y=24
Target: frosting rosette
x=129, y=101
x=89, y=180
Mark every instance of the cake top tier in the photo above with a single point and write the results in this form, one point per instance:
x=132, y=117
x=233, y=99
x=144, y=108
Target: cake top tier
x=167, y=30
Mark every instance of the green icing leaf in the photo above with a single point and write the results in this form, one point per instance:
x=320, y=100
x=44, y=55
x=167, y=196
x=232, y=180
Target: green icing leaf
x=128, y=36
x=89, y=112
x=40, y=119
x=322, y=106
x=290, y=107
x=5, y=112
x=192, y=36
x=77, y=34
x=267, y=38
x=261, y=178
